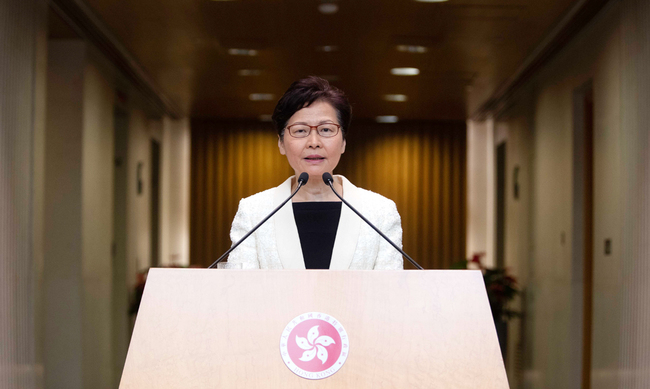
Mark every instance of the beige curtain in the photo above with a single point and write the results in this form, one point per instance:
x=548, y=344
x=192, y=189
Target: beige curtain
x=419, y=165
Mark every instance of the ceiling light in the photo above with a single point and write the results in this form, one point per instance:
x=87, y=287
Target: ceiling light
x=261, y=96
x=249, y=72
x=266, y=118
x=397, y=98
x=327, y=48
x=431, y=1
x=249, y=52
x=412, y=49
x=387, y=119
x=405, y=71
x=328, y=8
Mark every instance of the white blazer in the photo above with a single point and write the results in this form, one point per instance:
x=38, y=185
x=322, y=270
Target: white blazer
x=276, y=245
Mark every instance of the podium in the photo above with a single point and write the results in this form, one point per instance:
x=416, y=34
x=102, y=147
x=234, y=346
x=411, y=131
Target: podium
x=199, y=328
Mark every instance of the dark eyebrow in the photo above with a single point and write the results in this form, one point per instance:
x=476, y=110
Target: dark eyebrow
x=322, y=122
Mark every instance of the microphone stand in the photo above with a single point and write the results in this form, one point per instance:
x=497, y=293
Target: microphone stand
x=301, y=181
x=328, y=180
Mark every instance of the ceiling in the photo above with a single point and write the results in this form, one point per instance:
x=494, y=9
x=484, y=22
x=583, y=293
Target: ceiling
x=472, y=47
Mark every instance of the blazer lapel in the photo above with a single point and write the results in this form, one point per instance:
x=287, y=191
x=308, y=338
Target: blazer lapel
x=286, y=233
x=345, y=243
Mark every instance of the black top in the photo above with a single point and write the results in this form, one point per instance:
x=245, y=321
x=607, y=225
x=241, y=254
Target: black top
x=317, y=223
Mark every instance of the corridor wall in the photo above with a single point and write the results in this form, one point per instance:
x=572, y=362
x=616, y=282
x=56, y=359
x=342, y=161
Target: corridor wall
x=78, y=226
x=23, y=30
x=611, y=53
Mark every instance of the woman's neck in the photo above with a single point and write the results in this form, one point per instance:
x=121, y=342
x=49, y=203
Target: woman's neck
x=317, y=191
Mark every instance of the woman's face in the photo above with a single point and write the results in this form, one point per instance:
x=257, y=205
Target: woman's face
x=313, y=154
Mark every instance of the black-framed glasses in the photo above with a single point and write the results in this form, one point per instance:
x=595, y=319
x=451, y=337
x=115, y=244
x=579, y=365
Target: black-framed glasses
x=326, y=130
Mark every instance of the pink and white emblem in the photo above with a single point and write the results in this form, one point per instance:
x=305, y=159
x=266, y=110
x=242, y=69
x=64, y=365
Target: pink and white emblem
x=314, y=345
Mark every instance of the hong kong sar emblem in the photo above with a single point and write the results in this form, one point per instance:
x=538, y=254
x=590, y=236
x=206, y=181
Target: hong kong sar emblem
x=314, y=345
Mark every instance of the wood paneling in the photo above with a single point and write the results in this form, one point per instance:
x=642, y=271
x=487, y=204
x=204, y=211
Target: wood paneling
x=184, y=45
x=230, y=160
x=419, y=165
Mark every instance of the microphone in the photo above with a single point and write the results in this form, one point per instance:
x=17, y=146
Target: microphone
x=327, y=178
x=302, y=180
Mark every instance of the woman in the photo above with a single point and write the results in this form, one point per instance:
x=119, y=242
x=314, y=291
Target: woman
x=315, y=230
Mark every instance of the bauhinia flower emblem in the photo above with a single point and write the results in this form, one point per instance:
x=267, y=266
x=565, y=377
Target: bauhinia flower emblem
x=314, y=345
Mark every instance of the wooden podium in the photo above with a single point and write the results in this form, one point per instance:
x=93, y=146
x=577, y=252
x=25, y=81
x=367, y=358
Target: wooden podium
x=200, y=328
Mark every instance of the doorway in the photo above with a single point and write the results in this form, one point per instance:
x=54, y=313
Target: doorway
x=500, y=252
x=121, y=322
x=155, y=203
x=582, y=242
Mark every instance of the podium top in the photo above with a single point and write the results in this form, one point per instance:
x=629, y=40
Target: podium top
x=201, y=328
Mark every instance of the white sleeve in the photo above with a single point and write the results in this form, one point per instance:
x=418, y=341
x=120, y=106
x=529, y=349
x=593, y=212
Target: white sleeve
x=388, y=258
x=245, y=253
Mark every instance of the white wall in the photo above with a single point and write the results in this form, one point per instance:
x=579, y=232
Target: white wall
x=38, y=183
x=633, y=360
x=518, y=134
x=22, y=28
x=62, y=302
x=97, y=223
x=81, y=316
x=608, y=206
x=539, y=227
x=174, y=138
x=594, y=55
x=56, y=184
x=175, y=193
x=480, y=190
x=550, y=282
x=78, y=221
x=482, y=139
x=138, y=205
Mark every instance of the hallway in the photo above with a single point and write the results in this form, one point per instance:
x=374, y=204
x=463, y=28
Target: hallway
x=508, y=129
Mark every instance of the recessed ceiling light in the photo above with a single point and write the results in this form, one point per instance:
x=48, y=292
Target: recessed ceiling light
x=327, y=48
x=398, y=98
x=249, y=52
x=249, y=72
x=387, y=119
x=261, y=96
x=328, y=8
x=431, y=1
x=412, y=49
x=266, y=118
x=405, y=71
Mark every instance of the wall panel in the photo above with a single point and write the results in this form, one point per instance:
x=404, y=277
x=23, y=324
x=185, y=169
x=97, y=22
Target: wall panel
x=613, y=52
x=21, y=23
x=635, y=99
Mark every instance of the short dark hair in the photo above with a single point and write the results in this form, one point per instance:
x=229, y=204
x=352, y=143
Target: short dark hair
x=303, y=93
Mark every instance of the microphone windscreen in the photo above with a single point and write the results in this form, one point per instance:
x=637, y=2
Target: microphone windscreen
x=303, y=178
x=327, y=178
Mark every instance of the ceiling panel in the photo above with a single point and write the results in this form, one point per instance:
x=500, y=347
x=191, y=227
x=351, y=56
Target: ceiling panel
x=472, y=48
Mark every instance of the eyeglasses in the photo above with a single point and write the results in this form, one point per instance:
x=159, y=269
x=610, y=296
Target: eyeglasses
x=326, y=130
